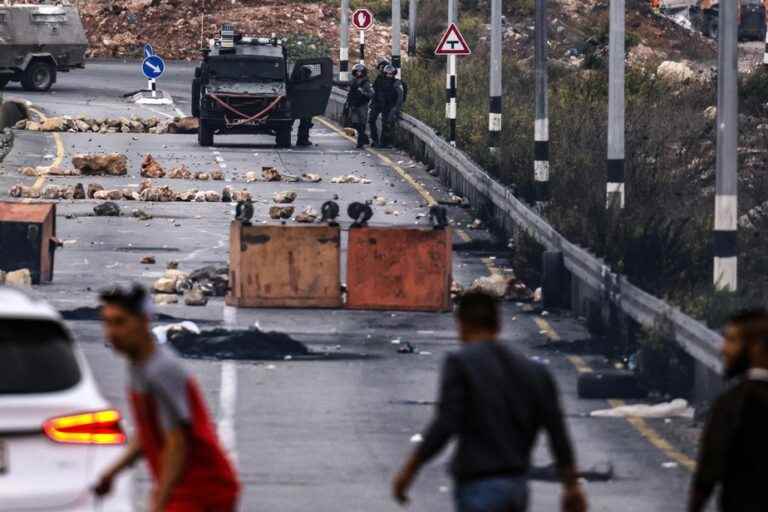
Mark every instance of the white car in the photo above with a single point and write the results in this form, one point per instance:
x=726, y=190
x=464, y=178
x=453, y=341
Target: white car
x=57, y=432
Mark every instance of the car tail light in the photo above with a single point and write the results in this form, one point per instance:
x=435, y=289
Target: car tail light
x=97, y=427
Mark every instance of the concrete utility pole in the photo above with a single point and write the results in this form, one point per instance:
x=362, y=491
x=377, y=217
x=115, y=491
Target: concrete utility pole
x=413, y=7
x=450, y=84
x=344, y=47
x=362, y=47
x=726, y=181
x=396, y=22
x=541, y=127
x=494, y=107
x=615, y=183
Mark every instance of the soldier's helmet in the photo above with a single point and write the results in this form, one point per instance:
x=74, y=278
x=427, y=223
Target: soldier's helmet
x=359, y=71
x=390, y=71
x=382, y=63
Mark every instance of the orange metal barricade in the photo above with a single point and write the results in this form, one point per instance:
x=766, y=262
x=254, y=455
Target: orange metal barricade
x=284, y=266
x=399, y=268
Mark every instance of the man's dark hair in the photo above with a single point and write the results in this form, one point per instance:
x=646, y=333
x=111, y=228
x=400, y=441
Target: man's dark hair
x=133, y=299
x=752, y=323
x=479, y=309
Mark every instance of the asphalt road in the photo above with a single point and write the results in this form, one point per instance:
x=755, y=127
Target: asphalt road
x=321, y=435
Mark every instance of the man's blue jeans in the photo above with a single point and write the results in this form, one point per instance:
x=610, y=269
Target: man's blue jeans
x=499, y=494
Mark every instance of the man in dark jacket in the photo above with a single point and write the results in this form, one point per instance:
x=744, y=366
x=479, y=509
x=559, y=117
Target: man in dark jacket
x=734, y=446
x=494, y=401
x=387, y=103
x=358, y=98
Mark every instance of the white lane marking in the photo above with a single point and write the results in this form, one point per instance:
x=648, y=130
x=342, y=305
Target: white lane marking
x=227, y=405
x=160, y=112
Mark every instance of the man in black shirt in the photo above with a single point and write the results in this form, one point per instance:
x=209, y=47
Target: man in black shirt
x=495, y=402
x=734, y=447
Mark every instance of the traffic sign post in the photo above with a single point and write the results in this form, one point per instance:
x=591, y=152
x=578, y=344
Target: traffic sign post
x=362, y=20
x=451, y=45
x=153, y=68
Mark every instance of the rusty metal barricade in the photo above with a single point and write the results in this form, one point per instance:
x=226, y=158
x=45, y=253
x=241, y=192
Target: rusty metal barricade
x=28, y=235
x=399, y=268
x=285, y=266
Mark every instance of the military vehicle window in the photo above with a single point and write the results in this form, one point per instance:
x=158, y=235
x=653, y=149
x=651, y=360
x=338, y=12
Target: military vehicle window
x=39, y=17
x=234, y=69
x=310, y=71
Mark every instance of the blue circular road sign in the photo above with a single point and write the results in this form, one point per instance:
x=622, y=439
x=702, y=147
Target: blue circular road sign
x=152, y=67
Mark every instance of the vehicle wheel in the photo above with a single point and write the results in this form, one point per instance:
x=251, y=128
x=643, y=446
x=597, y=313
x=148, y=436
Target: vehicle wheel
x=205, y=134
x=39, y=76
x=196, y=97
x=283, y=138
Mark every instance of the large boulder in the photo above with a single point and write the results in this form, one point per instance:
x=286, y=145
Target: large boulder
x=281, y=212
x=184, y=125
x=113, y=164
x=284, y=197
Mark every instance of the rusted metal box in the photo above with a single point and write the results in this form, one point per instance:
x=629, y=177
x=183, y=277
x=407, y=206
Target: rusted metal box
x=27, y=232
x=399, y=268
x=284, y=266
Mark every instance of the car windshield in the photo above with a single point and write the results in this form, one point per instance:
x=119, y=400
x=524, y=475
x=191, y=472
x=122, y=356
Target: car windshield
x=246, y=69
x=35, y=357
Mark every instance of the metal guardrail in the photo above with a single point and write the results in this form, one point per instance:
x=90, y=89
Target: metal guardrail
x=468, y=178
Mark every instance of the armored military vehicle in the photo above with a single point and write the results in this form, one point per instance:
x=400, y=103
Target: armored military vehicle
x=249, y=85
x=37, y=42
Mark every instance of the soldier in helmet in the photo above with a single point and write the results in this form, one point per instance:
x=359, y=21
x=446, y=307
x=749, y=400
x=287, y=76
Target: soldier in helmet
x=305, y=123
x=388, y=99
x=356, y=108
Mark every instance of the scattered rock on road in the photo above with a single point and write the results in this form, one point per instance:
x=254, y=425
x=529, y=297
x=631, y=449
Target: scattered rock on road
x=113, y=164
x=92, y=189
x=350, y=178
x=108, y=209
x=150, y=168
x=284, y=197
x=164, y=299
x=311, y=178
x=184, y=125
x=195, y=297
x=23, y=191
x=180, y=173
x=308, y=216
x=21, y=278
x=281, y=212
x=148, y=260
x=270, y=174
x=108, y=195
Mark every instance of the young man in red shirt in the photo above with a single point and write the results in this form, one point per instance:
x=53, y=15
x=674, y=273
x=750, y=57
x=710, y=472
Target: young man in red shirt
x=174, y=431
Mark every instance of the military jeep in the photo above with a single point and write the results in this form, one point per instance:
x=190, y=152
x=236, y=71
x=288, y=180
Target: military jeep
x=248, y=85
x=37, y=42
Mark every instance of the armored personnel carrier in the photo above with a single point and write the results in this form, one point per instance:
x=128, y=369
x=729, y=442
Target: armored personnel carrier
x=39, y=41
x=249, y=85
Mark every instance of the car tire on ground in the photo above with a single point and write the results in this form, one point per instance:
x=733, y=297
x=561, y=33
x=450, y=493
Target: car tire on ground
x=283, y=137
x=205, y=134
x=196, y=97
x=39, y=76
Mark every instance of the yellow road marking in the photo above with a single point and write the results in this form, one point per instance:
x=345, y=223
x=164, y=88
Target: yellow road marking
x=59, y=150
x=548, y=330
x=580, y=364
x=656, y=440
x=639, y=424
x=423, y=192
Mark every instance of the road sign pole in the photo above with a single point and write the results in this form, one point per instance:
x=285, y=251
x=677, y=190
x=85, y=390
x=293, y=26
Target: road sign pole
x=541, y=128
x=362, y=47
x=450, y=82
x=344, y=47
x=413, y=7
x=153, y=87
x=494, y=110
x=615, y=183
x=725, y=275
x=396, y=22
x=451, y=106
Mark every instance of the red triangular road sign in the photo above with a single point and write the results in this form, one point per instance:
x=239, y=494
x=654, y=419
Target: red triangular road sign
x=453, y=43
